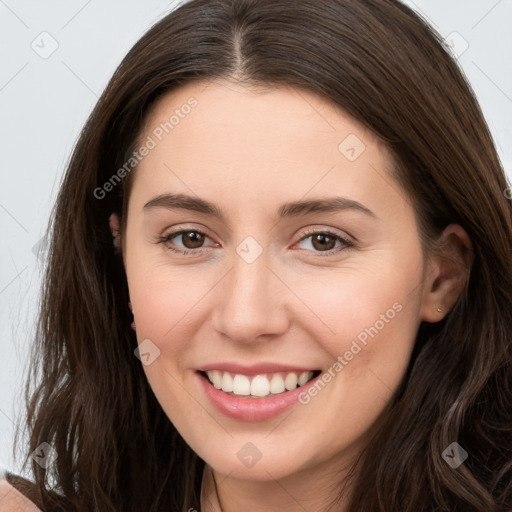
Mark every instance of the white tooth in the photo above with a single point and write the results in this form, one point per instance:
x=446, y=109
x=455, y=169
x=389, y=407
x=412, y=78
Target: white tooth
x=260, y=386
x=210, y=375
x=227, y=382
x=216, y=378
x=290, y=382
x=304, y=377
x=277, y=384
x=241, y=385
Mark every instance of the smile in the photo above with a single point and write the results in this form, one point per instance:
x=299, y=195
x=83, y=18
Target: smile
x=256, y=392
x=263, y=385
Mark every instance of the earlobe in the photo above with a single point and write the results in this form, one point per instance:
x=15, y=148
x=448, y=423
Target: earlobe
x=448, y=273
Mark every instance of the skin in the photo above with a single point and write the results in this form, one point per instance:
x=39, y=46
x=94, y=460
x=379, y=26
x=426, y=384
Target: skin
x=249, y=151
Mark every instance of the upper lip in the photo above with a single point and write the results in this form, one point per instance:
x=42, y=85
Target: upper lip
x=254, y=369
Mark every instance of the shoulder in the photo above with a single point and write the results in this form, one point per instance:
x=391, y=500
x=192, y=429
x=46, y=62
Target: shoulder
x=12, y=499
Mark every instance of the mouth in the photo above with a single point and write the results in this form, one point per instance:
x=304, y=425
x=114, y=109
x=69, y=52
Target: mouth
x=264, y=385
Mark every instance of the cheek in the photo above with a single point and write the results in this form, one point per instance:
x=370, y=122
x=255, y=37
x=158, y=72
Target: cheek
x=371, y=331
x=168, y=309
x=366, y=320
x=363, y=302
x=166, y=304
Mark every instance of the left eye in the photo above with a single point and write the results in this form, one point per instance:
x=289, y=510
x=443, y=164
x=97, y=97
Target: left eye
x=325, y=241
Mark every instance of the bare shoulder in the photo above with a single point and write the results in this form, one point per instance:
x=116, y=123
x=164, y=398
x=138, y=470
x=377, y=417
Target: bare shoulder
x=12, y=500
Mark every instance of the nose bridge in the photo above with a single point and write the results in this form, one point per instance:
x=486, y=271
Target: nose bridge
x=248, y=304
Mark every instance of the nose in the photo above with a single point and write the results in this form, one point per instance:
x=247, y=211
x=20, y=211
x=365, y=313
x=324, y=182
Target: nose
x=251, y=302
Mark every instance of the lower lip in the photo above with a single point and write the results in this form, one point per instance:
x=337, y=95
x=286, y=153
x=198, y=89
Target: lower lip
x=252, y=409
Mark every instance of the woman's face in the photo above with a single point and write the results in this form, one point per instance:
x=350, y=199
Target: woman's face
x=302, y=259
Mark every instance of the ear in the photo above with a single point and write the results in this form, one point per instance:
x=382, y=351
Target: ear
x=447, y=273
x=113, y=222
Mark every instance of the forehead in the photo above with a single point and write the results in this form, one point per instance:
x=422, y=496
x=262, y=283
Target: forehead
x=272, y=140
x=258, y=112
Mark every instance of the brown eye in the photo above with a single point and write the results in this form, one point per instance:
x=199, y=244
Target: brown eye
x=192, y=239
x=323, y=242
x=186, y=241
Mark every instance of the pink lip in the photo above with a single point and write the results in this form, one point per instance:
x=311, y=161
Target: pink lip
x=255, y=369
x=251, y=409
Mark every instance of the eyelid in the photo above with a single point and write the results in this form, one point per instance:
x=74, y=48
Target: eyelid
x=326, y=230
x=173, y=230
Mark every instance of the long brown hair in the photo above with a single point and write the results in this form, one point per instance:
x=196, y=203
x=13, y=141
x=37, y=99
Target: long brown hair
x=381, y=63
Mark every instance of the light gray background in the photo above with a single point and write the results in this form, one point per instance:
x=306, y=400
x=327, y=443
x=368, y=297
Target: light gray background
x=45, y=101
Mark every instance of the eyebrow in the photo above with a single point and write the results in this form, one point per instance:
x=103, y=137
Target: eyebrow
x=291, y=209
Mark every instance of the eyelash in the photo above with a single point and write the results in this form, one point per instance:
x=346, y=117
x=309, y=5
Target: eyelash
x=347, y=244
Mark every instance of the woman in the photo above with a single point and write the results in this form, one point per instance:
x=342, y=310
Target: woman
x=280, y=276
